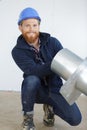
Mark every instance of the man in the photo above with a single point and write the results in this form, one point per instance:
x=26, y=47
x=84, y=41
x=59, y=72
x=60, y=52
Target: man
x=33, y=54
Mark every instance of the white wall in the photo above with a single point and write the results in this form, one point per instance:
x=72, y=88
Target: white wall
x=64, y=19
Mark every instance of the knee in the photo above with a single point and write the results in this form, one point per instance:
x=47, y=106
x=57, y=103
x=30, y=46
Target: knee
x=32, y=83
x=75, y=120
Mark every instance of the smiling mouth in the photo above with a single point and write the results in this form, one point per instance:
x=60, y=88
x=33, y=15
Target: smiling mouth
x=31, y=33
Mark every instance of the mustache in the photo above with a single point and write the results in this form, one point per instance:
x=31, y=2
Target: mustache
x=31, y=32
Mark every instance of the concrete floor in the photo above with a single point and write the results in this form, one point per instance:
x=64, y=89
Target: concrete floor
x=11, y=115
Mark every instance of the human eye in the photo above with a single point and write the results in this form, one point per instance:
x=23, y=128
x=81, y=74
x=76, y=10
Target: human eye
x=35, y=25
x=27, y=25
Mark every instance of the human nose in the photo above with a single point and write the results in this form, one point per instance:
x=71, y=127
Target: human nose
x=31, y=28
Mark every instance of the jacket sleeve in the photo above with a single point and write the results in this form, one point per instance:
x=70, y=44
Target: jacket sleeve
x=28, y=66
x=56, y=45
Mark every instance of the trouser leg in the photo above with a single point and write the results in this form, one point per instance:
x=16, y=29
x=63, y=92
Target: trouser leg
x=29, y=90
x=70, y=114
x=33, y=91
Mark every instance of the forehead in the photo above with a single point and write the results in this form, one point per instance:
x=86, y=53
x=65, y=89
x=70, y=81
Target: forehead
x=30, y=21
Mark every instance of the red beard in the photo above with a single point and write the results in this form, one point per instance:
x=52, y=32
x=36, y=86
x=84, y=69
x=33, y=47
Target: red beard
x=31, y=38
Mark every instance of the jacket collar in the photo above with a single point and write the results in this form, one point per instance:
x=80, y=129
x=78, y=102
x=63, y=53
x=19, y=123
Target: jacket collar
x=21, y=43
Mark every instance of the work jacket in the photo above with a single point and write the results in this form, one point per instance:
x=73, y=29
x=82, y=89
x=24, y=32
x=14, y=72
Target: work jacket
x=26, y=58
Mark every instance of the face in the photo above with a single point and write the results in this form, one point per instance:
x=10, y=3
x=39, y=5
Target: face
x=30, y=30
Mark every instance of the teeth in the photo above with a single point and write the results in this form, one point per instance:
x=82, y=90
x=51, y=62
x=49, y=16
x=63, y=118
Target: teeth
x=31, y=33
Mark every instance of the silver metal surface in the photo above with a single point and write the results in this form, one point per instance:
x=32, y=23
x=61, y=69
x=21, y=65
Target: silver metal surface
x=81, y=82
x=65, y=63
x=73, y=69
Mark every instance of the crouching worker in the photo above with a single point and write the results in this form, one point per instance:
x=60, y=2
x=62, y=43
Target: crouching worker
x=33, y=54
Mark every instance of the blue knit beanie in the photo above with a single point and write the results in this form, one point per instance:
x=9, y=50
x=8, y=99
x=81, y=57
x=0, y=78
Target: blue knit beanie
x=28, y=13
